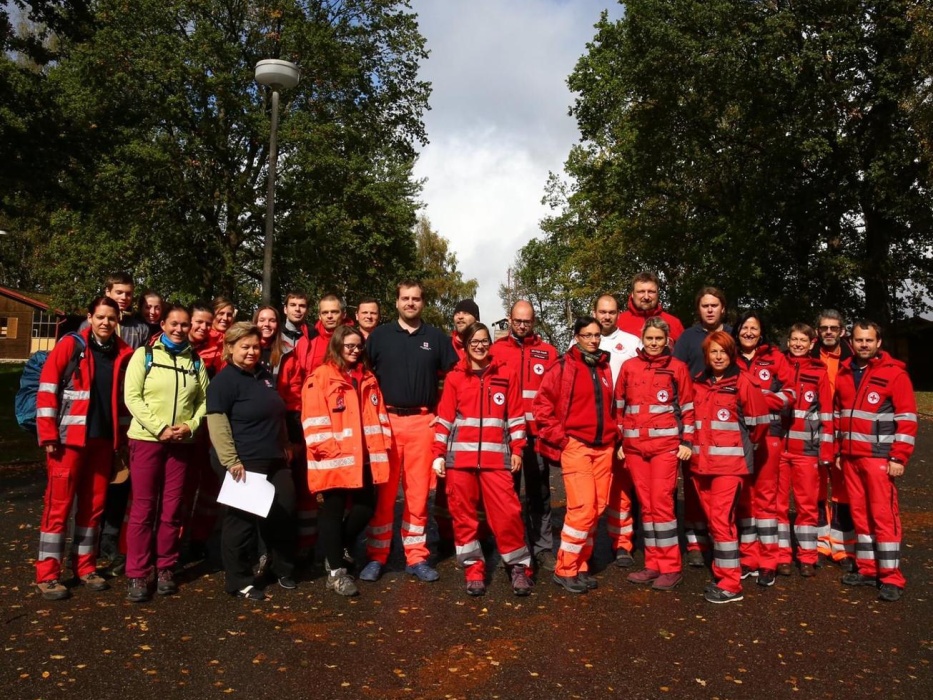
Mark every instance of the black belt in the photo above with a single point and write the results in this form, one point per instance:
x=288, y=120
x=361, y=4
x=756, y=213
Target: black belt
x=414, y=411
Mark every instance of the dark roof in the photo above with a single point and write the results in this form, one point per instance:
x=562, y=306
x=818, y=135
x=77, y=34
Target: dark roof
x=34, y=299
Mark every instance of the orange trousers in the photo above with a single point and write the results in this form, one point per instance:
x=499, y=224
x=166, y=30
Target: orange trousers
x=409, y=463
x=587, y=475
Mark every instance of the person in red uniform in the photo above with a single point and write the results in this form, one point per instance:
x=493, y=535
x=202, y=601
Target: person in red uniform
x=808, y=443
x=526, y=354
x=480, y=431
x=81, y=420
x=645, y=302
x=837, y=532
x=731, y=418
x=767, y=369
x=876, y=426
x=575, y=412
x=654, y=405
x=311, y=348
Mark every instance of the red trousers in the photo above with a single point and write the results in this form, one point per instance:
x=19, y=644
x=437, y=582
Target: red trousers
x=73, y=472
x=655, y=480
x=409, y=463
x=587, y=475
x=800, y=474
x=503, y=513
x=877, y=518
x=757, y=511
x=619, y=508
x=719, y=496
x=695, y=527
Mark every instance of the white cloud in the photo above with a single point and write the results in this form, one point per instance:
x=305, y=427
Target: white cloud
x=498, y=122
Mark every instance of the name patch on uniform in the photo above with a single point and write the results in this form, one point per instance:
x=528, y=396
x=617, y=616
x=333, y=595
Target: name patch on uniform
x=539, y=354
x=723, y=414
x=498, y=398
x=873, y=397
x=663, y=396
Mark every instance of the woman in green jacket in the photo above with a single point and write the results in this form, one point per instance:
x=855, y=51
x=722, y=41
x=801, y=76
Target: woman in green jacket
x=166, y=392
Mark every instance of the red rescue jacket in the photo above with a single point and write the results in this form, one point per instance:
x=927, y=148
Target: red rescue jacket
x=576, y=401
x=810, y=431
x=528, y=359
x=769, y=371
x=731, y=417
x=62, y=410
x=480, y=419
x=654, y=404
x=879, y=419
x=632, y=320
x=310, y=349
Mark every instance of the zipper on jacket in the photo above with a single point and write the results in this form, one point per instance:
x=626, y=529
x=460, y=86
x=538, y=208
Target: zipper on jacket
x=175, y=402
x=599, y=407
x=479, y=442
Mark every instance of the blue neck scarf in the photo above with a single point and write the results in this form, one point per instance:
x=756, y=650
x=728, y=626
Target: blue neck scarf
x=174, y=348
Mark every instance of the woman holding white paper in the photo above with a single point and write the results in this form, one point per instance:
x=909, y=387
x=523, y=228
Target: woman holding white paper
x=246, y=418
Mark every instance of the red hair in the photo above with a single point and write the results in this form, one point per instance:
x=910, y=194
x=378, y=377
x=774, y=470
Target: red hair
x=723, y=340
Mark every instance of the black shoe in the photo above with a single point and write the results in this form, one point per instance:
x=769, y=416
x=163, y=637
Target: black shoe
x=747, y=571
x=571, y=584
x=165, y=583
x=785, y=569
x=137, y=590
x=890, y=593
x=766, y=577
x=250, y=593
x=287, y=582
x=717, y=595
x=695, y=558
x=117, y=566
x=624, y=560
x=587, y=580
x=848, y=565
x=854, y=578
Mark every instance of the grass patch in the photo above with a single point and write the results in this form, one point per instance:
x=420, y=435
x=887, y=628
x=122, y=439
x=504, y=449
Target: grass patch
x=924, y=402
x=16, y=445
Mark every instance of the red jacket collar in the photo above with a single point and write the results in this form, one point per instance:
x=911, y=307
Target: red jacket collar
x=635, y=311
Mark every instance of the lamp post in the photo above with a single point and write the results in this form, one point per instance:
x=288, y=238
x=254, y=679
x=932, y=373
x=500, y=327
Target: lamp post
x=276, y=75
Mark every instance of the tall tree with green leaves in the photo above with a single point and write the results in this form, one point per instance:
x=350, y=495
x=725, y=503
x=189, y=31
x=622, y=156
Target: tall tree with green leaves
x=437, y=270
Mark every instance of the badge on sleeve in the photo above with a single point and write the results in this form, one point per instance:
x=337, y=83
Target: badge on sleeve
x=663, y=396
x=874, y=398
x=723, y=414
x=374, y=399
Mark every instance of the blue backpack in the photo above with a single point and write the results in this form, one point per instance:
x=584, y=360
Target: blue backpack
x=25, y=402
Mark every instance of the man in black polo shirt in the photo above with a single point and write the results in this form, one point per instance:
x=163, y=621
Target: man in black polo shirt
x=408, y=358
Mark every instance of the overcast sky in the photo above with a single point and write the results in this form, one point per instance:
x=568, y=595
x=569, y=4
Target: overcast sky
x=498, y=122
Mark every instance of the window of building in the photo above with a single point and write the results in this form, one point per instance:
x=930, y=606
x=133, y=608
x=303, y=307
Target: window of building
x=8, y=326
x=44, y=325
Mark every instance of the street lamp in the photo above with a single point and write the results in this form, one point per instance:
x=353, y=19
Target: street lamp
x=277, y=75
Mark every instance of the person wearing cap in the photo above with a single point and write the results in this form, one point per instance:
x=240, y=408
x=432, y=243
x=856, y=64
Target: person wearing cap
x=408, y=357
x=466, y=313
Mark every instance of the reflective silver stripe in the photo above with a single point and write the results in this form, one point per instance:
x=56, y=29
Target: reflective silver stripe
x=48, y=387
x=51, y=545
x=413, y=529
x=378, y=544
x=869, y=415
x=441, y=438
x=727, y=451
x=46, y=413
x=663, y=432
x=618, y=515
x=72, y=395
x=417, y=539
x=620, y=404
x=864, y=437
x=308, y=422
x=888, y=546
x=517, y=434
x=529, y=417
x=632, y=409
x=73, y=420
x=826, y=437
x=901, y=437
x=319, y=437
x=687, y=406
x=628, y=433
x=906, y=416
x=517, y=556
x=760, y=420
x=474, y=447
x=472, y=546
x=573, y=532
x=380, y=529
x=656, y=408
x=826, y=417
x=373, y=429
x=798, y=435
x=613, y=530
x=529, y=393
x=326, y=464
x=571, y=547
x=378, y=457
x=724, y=425
x=688, y=430
x=469, y=553
x=477, y=423
x=516, y=421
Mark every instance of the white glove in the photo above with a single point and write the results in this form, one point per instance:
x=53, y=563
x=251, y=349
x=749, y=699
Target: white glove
x=439, y=466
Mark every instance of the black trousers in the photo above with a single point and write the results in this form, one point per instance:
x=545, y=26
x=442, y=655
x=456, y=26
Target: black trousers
x=342, y=517
x=278, y=530
x=537, y=512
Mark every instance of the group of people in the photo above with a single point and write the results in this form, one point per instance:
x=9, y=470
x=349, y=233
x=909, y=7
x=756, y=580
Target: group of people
x=338, y=414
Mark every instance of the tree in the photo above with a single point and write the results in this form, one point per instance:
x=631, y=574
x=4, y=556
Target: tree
x=443, y=283
x=163, y=168
x=762, y=146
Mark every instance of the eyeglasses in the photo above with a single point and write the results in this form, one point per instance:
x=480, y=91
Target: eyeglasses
x=350, y=347
x=480, y=343
x=522, y=322
x=834, y=329
x=588, y=336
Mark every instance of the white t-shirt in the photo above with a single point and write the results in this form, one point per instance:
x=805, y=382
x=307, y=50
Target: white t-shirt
x=621, y=346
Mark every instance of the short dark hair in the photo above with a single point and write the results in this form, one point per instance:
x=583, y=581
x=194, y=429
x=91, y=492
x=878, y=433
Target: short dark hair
x=118, y=278
x=582, y=322
x=332, y=297
x=410, y=282
x=804, y=328
x=296, y=295
x=200, y=305
x=643, y=277
x=368, y=300
x=748, y=316
x=103, y=301
x=867, y=325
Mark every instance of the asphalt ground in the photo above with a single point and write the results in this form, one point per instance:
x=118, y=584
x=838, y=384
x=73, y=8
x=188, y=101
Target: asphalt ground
x=804, y=638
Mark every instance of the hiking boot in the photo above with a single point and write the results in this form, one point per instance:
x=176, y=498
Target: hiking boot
x=785, y=569
x=341, y=583
x=53, y=590
x=644, y=576
x=137, y=590
x=854, y=578
x=165, y=583
x=715, y=594
x=371, y=572
x=571, y=584
x=423, y=572
x=521, y=584
x=117, y=566
x=890, y=593
x=95, y=582
x=807, y=570
x=587, y=580
x=289, y=584
x=695, y=558
x=668, y=582
x=475, y=588
x=546, y=560
x=766, y=577
x=748, y=571
x=847, y=564
x=624, y=559
x=823, y=560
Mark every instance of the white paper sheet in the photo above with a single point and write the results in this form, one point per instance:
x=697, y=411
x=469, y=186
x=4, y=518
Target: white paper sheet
x=255, y=495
